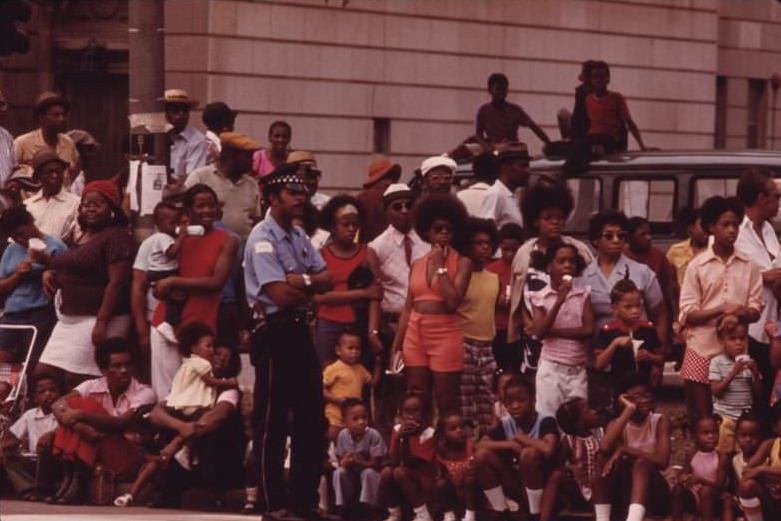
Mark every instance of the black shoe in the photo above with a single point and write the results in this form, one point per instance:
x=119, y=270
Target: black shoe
x=77, y=486
x=282, y=515
x=315, y=514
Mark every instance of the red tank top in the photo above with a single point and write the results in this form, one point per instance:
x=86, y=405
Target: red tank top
x=340, y=269
x=198, y=258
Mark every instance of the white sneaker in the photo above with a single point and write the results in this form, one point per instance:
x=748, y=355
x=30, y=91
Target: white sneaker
x=422, y=516
x=449, y=516
x=167, y=331
x=123, y=500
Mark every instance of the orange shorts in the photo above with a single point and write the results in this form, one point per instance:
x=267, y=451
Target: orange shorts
x=434, y=341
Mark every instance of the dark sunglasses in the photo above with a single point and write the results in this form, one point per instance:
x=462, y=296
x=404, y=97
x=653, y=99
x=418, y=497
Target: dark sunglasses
x=398, y=206
x=621, y=236
x=442, y=228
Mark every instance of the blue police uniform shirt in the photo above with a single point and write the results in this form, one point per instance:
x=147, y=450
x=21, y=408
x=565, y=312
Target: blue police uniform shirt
x=641, y=274
x=270, y=254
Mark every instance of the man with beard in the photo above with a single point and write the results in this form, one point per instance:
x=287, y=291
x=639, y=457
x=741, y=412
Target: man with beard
x=51, y=113
x=282, y=273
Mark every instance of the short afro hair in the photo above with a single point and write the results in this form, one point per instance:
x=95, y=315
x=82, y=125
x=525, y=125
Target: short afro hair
x=598, y=221
x=623, y=287
x=540, y=261
x=194, y=191
x=190, y=334
x=441, y=206
x=497, y=78
x=111, y=346
x=635, y=223
x=475, y=225
x=14, y=218
x=599, y=64
x=716, y=206
x=544, y=195
x=568, y=415
x=328, y=213
x=511, y=231
x=349, y=403
x=630, y=380
x=521, y=382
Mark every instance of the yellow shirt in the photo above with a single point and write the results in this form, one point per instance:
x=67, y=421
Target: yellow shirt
x=478, y=308
x=188, y=390
x=27, y=145
x=679, y=255
x=343, y=381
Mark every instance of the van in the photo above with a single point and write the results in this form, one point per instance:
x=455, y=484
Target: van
x=654, y=185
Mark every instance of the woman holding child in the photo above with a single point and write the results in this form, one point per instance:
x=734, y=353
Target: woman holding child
x=205, y=264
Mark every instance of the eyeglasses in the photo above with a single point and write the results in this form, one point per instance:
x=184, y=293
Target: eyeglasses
x=621, y=236
x=398, y=206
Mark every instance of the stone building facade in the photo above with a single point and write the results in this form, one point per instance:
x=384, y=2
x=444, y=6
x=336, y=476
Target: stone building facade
x=405, y=78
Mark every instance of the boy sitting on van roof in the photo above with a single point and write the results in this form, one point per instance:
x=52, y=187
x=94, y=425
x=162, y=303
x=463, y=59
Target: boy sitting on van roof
x=607, y=113
x=498, y=121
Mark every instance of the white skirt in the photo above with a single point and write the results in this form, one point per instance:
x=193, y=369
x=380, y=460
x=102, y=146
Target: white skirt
x=70, y=344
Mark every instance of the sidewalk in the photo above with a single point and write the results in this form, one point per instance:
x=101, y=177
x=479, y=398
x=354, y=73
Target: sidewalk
x=27, y=511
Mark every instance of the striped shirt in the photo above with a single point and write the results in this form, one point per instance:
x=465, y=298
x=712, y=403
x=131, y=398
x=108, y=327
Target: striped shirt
x=738, y=396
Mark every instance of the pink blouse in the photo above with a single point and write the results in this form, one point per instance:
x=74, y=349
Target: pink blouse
x=563, y=350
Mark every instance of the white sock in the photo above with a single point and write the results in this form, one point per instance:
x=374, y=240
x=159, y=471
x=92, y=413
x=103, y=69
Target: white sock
x=252, y=494
x=752, y=508
x=496, y=499
x=422, y=512
x=394, y=513
x=636, y=512
x=470, y=515
x=602, y=511
x=535, y=497
x=449, y=516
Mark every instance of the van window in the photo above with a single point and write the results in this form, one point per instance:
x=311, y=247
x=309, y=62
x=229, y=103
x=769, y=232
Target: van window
x=587, y=193
x=653, y=200
x=705, y=187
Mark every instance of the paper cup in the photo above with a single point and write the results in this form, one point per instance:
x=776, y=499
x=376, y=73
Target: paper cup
x=36, y=245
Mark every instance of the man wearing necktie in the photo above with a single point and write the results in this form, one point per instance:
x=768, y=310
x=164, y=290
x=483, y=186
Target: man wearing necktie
x=397, y=248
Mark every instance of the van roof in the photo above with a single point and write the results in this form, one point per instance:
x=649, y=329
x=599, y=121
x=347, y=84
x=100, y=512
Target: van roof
x=694, y=159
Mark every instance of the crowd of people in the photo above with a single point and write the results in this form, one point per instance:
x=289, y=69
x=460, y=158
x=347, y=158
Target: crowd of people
x=415, y=353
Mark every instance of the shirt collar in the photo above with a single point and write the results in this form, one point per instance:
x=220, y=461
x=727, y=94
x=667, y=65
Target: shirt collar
x=502, y=188
x=39, y=414
x=548, y=290
x=188, y=133
x=59, y=196
x=279, y=233
x=708, y=255
x=398, y=237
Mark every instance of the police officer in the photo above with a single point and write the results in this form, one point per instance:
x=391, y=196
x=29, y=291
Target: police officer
x=282, y=273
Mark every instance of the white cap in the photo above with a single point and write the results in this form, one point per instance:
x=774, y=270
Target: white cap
x=396, y=191
x=433, y=162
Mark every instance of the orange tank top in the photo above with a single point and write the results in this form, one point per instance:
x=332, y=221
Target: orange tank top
x=418, y=283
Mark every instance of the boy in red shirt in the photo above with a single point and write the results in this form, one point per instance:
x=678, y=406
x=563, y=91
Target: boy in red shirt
x=508, y=356
x=607, y=113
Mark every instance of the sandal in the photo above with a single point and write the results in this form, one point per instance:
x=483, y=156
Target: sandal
x=123, y=500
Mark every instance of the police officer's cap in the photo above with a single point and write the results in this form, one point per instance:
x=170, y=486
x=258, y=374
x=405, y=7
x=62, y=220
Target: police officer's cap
x=286, y=176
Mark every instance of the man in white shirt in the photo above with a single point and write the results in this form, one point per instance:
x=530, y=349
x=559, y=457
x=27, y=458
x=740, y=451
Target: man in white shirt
x=759, y=194
x=53, y=207
x=484, y=170
x=396, y=248
x=499, y=204
x=188, y=145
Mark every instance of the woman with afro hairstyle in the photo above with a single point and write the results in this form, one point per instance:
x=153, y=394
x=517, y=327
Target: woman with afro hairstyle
x=546, y=206
x=429, y=334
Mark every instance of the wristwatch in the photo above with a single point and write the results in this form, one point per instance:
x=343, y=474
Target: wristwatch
x=441, y=271
x=307, y=280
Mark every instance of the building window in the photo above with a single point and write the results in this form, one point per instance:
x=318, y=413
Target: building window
x=757, y=110
x=381, y=136
x=720, y=133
